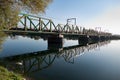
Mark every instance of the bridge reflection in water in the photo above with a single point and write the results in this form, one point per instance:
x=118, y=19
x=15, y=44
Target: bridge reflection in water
x=35, y=61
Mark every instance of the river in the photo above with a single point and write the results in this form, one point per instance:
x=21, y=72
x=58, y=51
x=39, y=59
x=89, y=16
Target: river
x=32, y=57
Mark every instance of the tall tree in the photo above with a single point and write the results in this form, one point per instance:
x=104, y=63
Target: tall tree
x=2, y=39
x=9, y=10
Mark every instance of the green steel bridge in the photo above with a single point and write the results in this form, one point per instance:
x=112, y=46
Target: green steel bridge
x=35, y=25
x=44, y=25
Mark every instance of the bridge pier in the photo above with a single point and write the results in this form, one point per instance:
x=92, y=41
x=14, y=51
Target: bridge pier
x=107, y=37
x=55, y=41
x=102, y=38
x=83, y=40
x=94, y=39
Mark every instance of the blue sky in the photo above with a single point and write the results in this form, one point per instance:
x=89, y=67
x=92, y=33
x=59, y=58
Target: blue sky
x=89, y=13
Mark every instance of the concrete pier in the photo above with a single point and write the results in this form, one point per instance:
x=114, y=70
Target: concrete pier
x=55, y=41
x=102, y=38
x=94, y=39
x=83, y=40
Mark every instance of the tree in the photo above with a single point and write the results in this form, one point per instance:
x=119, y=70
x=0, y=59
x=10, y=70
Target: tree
x=10, y=9
x=2, y=39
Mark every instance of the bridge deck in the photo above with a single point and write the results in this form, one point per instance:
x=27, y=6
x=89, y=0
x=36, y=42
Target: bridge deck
x=40, y=32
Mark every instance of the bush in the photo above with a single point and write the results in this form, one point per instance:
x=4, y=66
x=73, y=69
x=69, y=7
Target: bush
x=7, y=75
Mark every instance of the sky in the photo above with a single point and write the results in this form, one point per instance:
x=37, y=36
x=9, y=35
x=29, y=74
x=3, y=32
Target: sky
x=89, y=13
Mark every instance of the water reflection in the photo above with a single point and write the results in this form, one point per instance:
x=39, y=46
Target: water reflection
x=36, y=61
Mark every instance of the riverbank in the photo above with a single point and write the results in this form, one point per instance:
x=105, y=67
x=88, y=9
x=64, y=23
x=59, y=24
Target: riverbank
x=7, y=75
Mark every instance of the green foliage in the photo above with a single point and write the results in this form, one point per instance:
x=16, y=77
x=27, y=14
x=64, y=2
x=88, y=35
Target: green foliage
x=9, y=10
x=6, y=75
x=35, y=6
x=2, y=39
x=8, y=13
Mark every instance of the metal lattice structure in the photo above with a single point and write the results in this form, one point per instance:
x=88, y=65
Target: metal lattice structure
x=35, y=23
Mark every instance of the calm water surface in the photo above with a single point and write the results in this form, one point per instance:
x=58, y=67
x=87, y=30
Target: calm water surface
x=99, y=61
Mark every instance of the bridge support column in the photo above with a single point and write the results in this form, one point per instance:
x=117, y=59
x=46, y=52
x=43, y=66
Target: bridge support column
x=94, y=39
x=102, y=38
x=55, y=41
x=83, y=40
x=107, y=37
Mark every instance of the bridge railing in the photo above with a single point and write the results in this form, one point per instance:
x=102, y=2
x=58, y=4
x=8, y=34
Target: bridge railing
x=69, y=28
x=35, y=23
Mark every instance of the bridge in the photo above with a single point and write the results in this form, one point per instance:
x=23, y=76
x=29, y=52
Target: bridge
x=34, y=25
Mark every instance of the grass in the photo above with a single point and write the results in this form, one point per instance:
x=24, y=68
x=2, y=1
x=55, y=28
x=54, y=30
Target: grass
x=7, y=75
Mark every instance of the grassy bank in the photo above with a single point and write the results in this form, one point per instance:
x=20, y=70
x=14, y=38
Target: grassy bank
x=7, y=75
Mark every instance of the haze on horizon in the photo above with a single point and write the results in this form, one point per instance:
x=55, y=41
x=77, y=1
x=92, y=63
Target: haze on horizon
x=89, y=13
